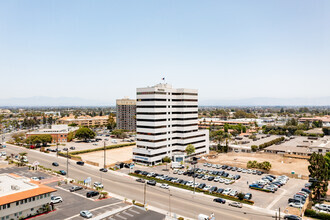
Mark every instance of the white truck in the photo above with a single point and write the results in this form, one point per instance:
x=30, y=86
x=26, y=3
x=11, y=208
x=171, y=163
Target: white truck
x=176, y=165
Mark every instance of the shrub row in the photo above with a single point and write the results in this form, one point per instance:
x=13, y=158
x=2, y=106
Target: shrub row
x=318, y=215
x=249, y=202
x=261, y=189
x=269, y=143
x=101, y=148
x=70, y=155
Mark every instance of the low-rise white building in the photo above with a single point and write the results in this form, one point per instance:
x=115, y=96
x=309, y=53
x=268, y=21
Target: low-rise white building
x=21, y=197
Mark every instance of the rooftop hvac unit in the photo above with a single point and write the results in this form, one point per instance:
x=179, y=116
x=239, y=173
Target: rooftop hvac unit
x=15, y=187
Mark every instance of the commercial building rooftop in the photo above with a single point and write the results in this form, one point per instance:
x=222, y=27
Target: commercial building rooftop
x=14, y=188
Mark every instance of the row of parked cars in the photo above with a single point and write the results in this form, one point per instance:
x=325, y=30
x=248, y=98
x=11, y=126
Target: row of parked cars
x=210, y=175
x=201, y=186
x=299, y=199
x=226, y=167
x=270, y=182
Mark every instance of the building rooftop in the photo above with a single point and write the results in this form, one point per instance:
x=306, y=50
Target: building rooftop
x=14, y=188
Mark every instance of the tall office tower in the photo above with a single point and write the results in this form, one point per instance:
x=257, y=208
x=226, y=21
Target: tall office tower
x=126, y=113
x=167, y=121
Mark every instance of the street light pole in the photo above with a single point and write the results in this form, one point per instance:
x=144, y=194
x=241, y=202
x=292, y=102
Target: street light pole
x=169, y=201
x=57, y=147
x=67, y=163
x=104, y=156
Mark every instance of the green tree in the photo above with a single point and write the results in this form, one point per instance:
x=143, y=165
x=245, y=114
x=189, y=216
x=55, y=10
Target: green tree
x=190, y=149
x=119, y=133
x=111, y=122
x=71, y=135
x=266, y=165
x=254, y=148
x=85, y=133
x=45, y=139
x=327, y=159
x=319, y=171
x=166, y=160
x=18, y=137
x=22, y=158
x=240, y=196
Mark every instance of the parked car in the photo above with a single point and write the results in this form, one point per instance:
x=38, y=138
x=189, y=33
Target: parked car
x=236, y=204
x=86, y=214
x=151, y=182
x=35, y=178
x=56, y=199
x=104, y=170
x=292, y=217
x=92, y=194
x=62, y=172
x=75, y=188
x=296, y=205
x=55, y=164
x=226, y=191
x=81, y=163
x=213, y=189
x=140, y=180
x=248, y=196
x=164, y=186
x=219, y=200
x=98, y=185
x=233, y=193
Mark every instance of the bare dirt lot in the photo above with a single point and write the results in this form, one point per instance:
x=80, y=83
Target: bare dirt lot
x=280, y=164
x=112, y=156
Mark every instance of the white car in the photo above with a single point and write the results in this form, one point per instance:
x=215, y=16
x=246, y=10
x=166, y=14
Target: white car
x=226, y=191
x=35, y=178
x=244, y=170
x=214, y=166
x=98, y=185
x=207, y=188
x=56, y=199
x=86, y=214
x=322, y=207
x=249, y=171
x=205, y=177
x=233, y=193
x=175, y=171
x=296, y=205
x=3, y=153
x=189, y=183
x=164, y=186
x=216, y=179
x=227, y=182
x=239, y=170
x=222, y=180
x=180, y=172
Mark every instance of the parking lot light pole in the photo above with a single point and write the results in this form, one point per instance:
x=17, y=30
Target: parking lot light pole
x=104, y=156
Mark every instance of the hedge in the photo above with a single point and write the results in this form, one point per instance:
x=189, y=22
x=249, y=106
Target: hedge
x=101, y=148
x=318, y=215
x=249, y=202
x=269, y=143
x=261, y=189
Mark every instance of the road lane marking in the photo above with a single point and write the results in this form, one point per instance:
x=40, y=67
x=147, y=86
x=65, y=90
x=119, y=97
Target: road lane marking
x=120, y=216
x=136, y=212
x=130, y=215
x=277, y=199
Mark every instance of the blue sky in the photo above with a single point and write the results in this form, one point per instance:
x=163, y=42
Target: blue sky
x=104, y=50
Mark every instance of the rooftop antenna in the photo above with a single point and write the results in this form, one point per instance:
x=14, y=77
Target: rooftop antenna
x=163, y=80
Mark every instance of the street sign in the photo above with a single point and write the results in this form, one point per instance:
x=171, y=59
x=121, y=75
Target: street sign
x=88, y=180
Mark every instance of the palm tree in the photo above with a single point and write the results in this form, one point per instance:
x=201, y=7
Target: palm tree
x=22, y=156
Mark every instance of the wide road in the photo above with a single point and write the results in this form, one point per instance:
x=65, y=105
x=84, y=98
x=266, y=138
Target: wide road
x=181, y=202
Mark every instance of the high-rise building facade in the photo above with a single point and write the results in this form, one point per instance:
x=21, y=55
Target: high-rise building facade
x=126, y=114
x=166, y=122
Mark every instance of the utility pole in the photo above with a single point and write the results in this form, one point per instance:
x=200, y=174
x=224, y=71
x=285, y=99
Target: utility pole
x=67, y=163
x=169, y=201
x=145, y=194
x=57, y=147
x=104, y=156
x=279, y=213
x=194, y=177
x=275, y=214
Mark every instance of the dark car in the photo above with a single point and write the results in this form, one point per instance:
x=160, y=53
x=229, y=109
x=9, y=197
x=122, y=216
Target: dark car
x=81, y=163
x=201, y=186
x=184, y=182
x=225, y=174
x=41, y=178
x=195, y=175
x=248, y=196
x=104, y=170
x=259, y=173
x=234, y=168
x=229, y=168
x=220, y=190
x=224, y=167
x=213, y=189
x=272, y=176
x=200, y=176
x=219, y=200
x=293, y=200
x=137, y=171
x=236, y=177
x=75, y=188
x=92, y=193
x=277, y=184
x=306, y=190
x=151, y=182
x=55, y=164
x=211, y=178
x=144, y=173
x=140, y=180
x=291, y=217
x=62, y=172
x=185, y=173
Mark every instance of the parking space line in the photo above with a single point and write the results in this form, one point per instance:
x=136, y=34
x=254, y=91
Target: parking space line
x=120, y=216
x=91, y=210
x=130, y=215
x=134, y=211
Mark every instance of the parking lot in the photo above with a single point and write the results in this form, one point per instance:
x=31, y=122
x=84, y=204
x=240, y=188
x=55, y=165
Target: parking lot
x=261, y=199
x=74, y=202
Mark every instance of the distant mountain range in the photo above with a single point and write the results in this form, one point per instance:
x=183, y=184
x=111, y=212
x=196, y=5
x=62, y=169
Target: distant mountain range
x=264, y=101
x=72, y=101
